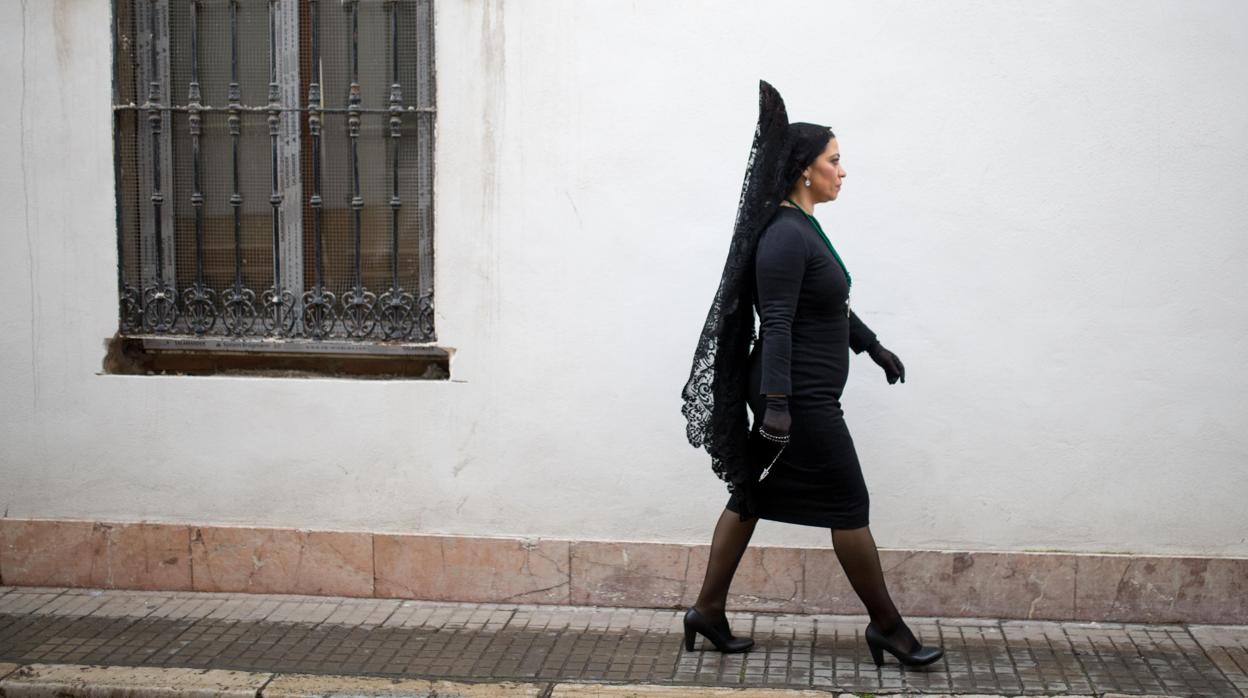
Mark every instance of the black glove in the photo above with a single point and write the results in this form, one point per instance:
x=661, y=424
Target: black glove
x=766, y=441
x=887, y=360
x=776, y=419
x=770, y=438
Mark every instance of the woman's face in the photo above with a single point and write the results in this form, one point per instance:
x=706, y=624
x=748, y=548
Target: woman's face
x=826, y=173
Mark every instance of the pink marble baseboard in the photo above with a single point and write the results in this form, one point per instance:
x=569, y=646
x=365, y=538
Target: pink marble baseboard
x=281, y=561
x=1051, y=586
x=994, y=585
x=462, y=568
x=1162, y=589
x=93, y=554
x=629, y=574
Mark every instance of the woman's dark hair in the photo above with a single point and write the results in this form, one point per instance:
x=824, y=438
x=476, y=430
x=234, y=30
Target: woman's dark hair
x=806, y=142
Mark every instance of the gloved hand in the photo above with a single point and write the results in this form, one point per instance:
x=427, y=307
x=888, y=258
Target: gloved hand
x=770, y=437
x=776, y=419
x=887, y=360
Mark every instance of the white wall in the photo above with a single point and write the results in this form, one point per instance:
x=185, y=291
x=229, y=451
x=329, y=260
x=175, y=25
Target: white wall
x=1045, y=218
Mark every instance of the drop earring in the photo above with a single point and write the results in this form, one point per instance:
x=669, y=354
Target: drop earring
x=808, y=181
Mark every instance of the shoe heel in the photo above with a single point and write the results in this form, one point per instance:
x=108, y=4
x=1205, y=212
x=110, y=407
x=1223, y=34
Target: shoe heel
x=877, y=654
x=689, y=639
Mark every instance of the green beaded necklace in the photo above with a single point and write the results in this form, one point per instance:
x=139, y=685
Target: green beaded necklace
x=819, y=229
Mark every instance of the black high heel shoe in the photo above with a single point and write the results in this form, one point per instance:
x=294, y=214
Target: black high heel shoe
x=919, y=657
x=695, y=622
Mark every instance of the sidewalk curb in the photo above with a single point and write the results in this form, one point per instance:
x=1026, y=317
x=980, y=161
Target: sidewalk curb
x=93, y=681
x=315, y=685
x=594, y=690
x=7, y=668
x=61, y=680
x=90, y=681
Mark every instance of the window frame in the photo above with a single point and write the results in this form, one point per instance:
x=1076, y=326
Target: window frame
x=290, y=318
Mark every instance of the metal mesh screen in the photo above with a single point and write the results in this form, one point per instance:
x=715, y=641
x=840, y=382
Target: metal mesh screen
x=275, y=168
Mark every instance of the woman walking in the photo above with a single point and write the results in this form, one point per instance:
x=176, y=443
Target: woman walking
x=783, y=265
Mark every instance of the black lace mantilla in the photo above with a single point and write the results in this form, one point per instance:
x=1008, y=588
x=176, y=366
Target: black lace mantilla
x=715, y=395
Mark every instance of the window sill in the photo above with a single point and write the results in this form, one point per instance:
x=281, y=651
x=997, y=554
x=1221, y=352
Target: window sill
x=206, y=356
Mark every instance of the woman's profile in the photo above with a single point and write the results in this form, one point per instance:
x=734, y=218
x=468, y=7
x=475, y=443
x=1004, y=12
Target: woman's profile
x=783, y=266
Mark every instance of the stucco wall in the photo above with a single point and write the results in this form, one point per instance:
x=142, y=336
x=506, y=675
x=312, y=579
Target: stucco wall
x=1045, y=218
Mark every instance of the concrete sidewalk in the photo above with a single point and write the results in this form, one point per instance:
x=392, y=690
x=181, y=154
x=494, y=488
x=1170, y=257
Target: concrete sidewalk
x=61, y=642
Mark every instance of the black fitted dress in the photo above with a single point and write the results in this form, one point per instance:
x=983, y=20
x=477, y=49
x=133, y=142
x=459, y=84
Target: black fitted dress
x=803, y=352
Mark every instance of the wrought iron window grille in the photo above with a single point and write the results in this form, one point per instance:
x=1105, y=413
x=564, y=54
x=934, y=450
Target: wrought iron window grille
x=287, y=202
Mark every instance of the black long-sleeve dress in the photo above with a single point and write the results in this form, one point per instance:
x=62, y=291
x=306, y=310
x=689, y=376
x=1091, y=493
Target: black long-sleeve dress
x=803, y=352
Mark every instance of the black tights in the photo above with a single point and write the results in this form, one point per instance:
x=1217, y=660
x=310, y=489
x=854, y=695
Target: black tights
x=855, y=549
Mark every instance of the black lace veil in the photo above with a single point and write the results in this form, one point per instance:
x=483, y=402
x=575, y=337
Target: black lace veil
x=715, y=395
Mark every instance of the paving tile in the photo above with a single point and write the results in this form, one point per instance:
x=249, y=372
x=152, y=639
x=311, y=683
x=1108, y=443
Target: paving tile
x=1227, y=647
x=76, y=602
x=28, y=600
x=605, y=646
x=122, y=604
x=363, y=611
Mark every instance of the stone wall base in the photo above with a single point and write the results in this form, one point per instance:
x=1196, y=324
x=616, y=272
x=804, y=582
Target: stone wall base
x=1020, y=585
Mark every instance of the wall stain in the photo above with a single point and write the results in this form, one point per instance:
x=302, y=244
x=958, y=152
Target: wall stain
x=493, y=106
x=962, y=562
x=61, y=10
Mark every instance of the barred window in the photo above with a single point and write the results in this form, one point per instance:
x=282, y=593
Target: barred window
x=274, y=170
